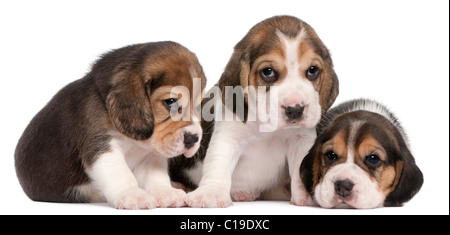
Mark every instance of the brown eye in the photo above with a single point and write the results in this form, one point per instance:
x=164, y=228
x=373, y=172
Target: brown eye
x=169, y=103
x=172, y=105
x=373, y=161
x=330, y=157
x=312, y=73
x=269, y=75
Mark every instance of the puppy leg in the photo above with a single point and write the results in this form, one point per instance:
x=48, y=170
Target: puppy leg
x=152, y=174
x=112, y=176
x=215, y=185
x=214, y=188
x=281, y=192
x=298, y=147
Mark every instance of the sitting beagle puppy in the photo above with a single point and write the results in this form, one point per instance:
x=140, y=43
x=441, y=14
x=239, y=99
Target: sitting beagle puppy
x=251, y=154
x=107, y=136
x=361, y=159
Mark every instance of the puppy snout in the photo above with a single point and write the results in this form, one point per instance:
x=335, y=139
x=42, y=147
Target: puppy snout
x=190, y=140
x=343, y=188
x=294, y=112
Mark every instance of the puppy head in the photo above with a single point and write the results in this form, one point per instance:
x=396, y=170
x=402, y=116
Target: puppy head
x=360, y=161
x=285, y=52
x=155, y=89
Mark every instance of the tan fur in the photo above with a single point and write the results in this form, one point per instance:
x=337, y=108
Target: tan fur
x=262, y=47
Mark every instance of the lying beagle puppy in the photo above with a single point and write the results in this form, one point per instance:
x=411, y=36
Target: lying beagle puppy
x=107, y=136
x=248, y=151
x=361, y=159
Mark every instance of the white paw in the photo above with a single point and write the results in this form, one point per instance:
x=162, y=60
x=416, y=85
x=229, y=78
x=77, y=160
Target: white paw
x=209, y=196
x=301, y=198
x=169, y=197
x=244, y=196
x=134, y=199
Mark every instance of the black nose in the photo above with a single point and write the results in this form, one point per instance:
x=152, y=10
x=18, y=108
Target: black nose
x=294, y=112
x=343, y=187
x=190, y=140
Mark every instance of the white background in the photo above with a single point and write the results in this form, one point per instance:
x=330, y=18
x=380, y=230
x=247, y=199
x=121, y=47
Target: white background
x=393, y=51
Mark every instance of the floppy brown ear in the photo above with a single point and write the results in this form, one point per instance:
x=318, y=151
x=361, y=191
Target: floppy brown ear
x=333, y=90
x=129, y=106
x=410, y=181
x=306, y=172
x=309, y=170
x=235, y=77
x=329, y=89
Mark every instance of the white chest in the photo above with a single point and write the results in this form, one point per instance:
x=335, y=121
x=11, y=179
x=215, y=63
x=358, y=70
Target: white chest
x=262, y=164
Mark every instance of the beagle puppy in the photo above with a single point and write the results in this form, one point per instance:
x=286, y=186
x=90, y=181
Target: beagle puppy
x=108, y=135
x=361, y=159
x=259, y=120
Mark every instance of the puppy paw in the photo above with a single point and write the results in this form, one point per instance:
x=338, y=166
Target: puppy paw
x=209, y=196
x=302, y=198
x=169, y=197
x=244, y=196
x=135, y=199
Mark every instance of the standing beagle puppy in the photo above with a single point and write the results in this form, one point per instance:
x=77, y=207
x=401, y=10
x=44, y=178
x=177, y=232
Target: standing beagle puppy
x=107, y=136
x=361, y=159
x=254, y=144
